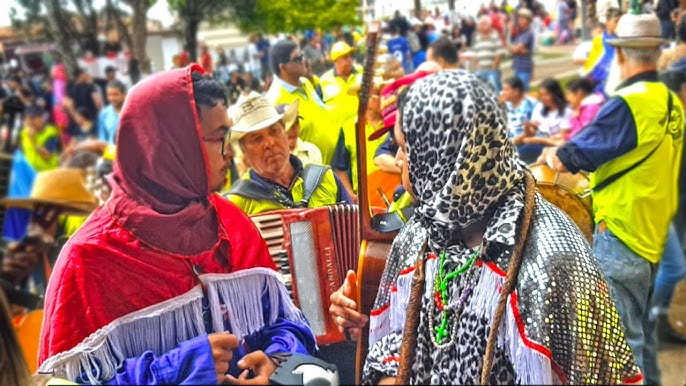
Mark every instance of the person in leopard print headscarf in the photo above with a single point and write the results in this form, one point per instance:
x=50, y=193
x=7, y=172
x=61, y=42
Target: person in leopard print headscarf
x=472, y=197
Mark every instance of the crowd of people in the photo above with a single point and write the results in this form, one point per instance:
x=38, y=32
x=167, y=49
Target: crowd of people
x=128, y=207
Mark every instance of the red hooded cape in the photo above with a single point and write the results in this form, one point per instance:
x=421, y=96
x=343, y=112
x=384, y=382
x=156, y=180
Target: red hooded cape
x=161, y=227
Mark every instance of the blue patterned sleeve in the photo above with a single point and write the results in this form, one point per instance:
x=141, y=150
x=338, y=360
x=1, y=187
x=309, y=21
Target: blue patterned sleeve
x=283, y=336
x=189, y=363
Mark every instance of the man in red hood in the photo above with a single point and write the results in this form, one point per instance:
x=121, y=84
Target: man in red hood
x=167, y=282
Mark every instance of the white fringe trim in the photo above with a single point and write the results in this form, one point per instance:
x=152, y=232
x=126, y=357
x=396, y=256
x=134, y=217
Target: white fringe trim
x=379, y=325
x=400, y=298
x=530, y=366
x=233, y=297
x=100, y=354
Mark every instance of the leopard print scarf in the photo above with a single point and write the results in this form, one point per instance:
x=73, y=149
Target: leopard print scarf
x=460, y=159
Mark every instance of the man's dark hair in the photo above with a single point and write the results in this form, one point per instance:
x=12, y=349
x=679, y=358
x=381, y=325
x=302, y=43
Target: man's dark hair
x=445, y=49
x=280, y=53
x=207, y=91
x=515, y=83
x=109, y=69
x=118, y=85
x=586, y=85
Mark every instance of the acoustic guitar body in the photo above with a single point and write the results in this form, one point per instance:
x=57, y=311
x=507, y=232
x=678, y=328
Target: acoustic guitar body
x=27, y=328
x=373, y=256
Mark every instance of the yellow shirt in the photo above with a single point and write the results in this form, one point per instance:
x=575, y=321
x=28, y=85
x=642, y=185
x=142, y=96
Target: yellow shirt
x=316, y=125
x=335, y=93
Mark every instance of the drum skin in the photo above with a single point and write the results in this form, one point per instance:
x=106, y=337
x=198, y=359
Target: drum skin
x=569, y=192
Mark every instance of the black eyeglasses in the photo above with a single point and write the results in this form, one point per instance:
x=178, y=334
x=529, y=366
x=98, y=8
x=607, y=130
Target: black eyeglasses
x=223, y=139
x=297, y=59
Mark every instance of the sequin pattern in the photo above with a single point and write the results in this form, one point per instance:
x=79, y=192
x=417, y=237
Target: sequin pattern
x=563, y=302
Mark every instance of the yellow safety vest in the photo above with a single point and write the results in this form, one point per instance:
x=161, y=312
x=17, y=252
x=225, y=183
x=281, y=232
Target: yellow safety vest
x=335, y=94
x=325, y=194
x=41, y=138
x=316, y=125
x=639, y=206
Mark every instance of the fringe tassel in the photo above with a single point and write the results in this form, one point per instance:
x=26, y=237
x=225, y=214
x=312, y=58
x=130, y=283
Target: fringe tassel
x=531, y=367
x=379, y=324
x=485, y=294
x=100, y=354
x=400, y=298
x=237, y=298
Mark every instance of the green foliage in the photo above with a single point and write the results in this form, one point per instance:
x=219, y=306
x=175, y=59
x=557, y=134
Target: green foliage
x=272, y=16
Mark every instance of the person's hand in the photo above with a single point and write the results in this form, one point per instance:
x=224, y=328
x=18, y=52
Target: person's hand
x=222, y=345
x=19, y=261
x=343, y=307
x=261, y=366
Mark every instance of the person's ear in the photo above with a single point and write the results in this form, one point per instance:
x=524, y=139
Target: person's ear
x=620, y=55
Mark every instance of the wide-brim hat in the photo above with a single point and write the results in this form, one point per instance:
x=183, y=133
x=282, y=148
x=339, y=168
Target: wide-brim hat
x=256, y=113
x=638, y=31
x=65, y=188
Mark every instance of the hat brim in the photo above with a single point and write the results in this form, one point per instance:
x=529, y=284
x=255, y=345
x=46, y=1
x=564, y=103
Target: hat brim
x=77, y=208
x=637, y=42
x=291, y=113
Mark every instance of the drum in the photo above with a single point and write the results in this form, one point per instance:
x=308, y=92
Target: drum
x=569, y=192
x=677, y=309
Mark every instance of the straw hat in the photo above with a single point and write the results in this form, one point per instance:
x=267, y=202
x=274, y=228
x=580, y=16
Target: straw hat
x=65, y=187
x=256, y=113
x=638, y=31
x=340, y=49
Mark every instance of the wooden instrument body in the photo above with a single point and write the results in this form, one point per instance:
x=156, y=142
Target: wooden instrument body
x=569, y=192
x=373, y=256
x=27, y=327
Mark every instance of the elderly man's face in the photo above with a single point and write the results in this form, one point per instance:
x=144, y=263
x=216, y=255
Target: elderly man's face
x=344, y=65
x=266, y=150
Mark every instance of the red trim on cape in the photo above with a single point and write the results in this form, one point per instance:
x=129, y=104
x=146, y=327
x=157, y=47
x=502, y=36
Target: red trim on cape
x=380, y=310
x=522, y=333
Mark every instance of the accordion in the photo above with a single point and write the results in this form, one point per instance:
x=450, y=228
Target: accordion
x=313, y=249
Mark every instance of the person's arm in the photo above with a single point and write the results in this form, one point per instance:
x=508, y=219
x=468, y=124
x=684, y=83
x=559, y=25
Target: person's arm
x=96, y=95
x=610, y=135
x=341, y=163
x=386, y=162
x=384, y=157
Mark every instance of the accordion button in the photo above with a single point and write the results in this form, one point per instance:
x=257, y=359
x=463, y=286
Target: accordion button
x=197, y=269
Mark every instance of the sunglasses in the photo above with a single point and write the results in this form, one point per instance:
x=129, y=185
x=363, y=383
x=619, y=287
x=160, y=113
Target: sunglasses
x=297, y=59
x=224, y=139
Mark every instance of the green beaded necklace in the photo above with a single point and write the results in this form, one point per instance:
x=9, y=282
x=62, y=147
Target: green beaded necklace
x=441, y=292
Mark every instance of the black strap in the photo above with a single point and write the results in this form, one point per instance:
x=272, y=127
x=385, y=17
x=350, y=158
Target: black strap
x=253, y=190
x=312, y=177
x=618, y=175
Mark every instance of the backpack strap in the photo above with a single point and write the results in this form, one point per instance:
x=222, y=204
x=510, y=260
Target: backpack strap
x=619, y=174
x=312, y=177
x=251, y=189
